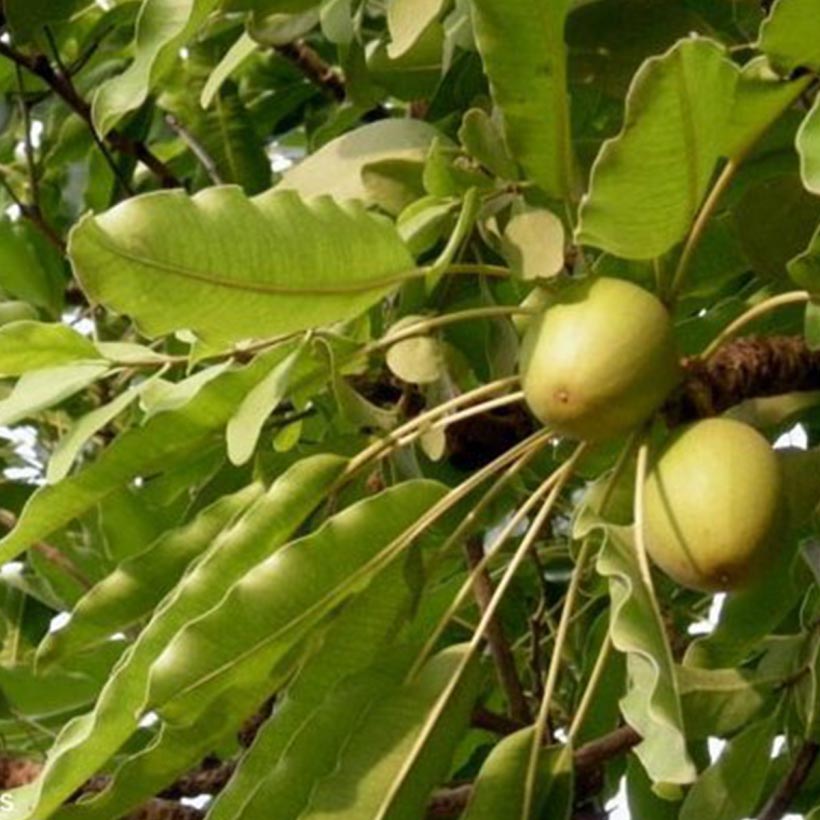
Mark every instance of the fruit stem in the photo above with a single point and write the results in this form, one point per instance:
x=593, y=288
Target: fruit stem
x=792, y=297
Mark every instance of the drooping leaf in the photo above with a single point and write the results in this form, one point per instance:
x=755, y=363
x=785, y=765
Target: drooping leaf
x=499, y=788
x=407, y=21
x=173, y=262
x=164, y=439
x=790, y=35
x=524, y=53
x=648, y=182
x=26, y=346
x=29, y=270
x=39, y=389
x=86, y=743
x=140, y=582
x=163, y=27
x=336, y=168
x=652, y=703
x=276, y=603
x=731, y=787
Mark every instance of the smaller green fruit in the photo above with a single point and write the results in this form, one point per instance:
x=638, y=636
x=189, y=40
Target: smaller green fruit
x=599, y=360
x=712, y=505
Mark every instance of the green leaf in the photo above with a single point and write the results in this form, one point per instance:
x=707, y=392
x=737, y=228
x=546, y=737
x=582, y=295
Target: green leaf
x=730, y=788
x=25, y=17
x=163, y=27
x=499, y=788
x=28, y=270
x=483, y=140
x=407, y=20
x=243, y=48
x=280, y=600
x=790, y=35
x=643, y=803
x=26, y=346
x=245, y=425
x=522, y=45
x=336, y=168
x=808, y=147
x=652, y=703
x=378, y=743
x=359, y=637
x=40, y=389
x=417, y=360
x=647, y=183
x=172, y=262
x=721, y=702
x=86, y=743
x=140, y=582
x=161, y=442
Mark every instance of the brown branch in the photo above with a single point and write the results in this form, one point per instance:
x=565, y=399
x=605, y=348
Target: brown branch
x=482, y=718
x=779, y=803
x=50, y=553
x=196, y=148
x=308, y=61
x=751, y=367
x=62, y=85
x=496, y=639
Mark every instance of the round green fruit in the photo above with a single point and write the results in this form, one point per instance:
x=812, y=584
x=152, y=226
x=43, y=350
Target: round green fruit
x=599, y=360
x=712, y=505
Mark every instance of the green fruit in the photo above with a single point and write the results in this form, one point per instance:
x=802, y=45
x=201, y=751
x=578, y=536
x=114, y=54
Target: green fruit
x=713, y=502
x=599, y=360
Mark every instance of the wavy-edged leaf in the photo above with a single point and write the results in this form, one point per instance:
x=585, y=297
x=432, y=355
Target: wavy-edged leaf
x=40, y=389
x=162, y=441
x=28, y=346
x=281, y=768
x=377, y=744
x=808, y=146
x=281, y=599
x=163, y=27
x=86, y=743
x=790, y=35
x=731, y=787
x=652, y=703
x=140, y=582
x=648, y=182
x=522, y=45
x=172, y=261
x=499, y=788
x=336, y=168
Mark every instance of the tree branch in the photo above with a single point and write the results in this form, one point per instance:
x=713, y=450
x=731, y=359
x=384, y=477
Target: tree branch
x=496, y=639
x=780, y=801
x=62, y=85
x=320, y=73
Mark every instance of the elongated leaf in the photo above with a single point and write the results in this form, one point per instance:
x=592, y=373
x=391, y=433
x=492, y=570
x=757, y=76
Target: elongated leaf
x=499, y=788
x=278, y=601
x=140, y=582
x=336, y=168
x=39, y=389
x=89, y=741
x=730, y=788
x=522, y=45
x=358, y=638
x=648, y=182
x=28, y=346
x=652, y=703
x=376, y=745
x=84, y=428
x=808, y=146
x=246, y=424
x=243, y=48
x=163, y=440
x=163, y=27
x=790, y=35
x=172, y=262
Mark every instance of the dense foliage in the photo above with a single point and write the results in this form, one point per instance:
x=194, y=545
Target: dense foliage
x=355, y=357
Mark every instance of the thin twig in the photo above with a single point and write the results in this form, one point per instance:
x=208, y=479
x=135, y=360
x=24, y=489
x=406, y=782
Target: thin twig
x=308, y=61
x=196, y=148
x=779, y=803
x=496, y=639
